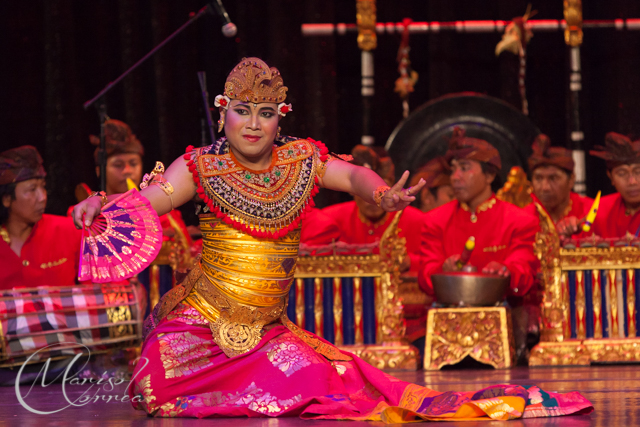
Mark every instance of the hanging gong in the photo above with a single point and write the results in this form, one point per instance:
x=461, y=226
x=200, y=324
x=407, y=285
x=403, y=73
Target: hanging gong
x=425, y=133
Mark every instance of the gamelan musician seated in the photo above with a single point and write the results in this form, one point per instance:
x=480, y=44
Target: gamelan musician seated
x=618, y=214
x=504, y=234
x=37, y=249
x=124, y=153
x=552, y=178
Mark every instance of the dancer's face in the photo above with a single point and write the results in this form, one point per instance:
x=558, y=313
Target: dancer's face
x=251, y=128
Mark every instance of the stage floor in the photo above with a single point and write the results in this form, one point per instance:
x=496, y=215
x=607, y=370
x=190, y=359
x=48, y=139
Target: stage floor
x=614, y=391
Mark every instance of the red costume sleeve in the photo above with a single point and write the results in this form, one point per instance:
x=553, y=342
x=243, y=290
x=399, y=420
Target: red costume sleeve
x=612, y=220
x=49, y=256
x=432, y=251
x=319, y=229
x=410, y=225
x=521, y=261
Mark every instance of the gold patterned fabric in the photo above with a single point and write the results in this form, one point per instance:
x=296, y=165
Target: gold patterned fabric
x=248, y=282
x=240, y=285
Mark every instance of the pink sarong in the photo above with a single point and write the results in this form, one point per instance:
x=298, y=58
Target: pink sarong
x=183, y=373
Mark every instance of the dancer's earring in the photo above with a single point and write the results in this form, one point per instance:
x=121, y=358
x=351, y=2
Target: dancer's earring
x=278, y=132
x=221, y=122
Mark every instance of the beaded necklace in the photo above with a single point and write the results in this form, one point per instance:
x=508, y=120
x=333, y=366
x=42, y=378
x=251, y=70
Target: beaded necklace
x=265, y=203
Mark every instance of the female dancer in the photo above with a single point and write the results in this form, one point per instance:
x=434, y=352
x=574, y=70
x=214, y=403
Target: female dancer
x=220, y=344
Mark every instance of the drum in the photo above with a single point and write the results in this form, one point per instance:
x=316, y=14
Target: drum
x=58, y=322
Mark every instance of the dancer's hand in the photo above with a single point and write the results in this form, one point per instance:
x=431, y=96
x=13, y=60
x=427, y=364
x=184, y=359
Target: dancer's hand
x=86, y=210
x=397, y=197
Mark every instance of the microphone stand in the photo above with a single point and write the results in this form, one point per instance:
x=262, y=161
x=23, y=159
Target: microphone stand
x=207, y=110
x=101, y=104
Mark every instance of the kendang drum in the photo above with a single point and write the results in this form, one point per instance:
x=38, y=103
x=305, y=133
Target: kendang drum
x=58, y=322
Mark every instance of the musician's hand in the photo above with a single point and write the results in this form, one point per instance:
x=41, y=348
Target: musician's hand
x=450, y=263
x=494, y=267
x=568, y=226
x=406, y=264
x=397, y=197
x=87, y=209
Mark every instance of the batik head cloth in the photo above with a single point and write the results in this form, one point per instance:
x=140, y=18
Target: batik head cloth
x=119, y=139
x=435, y=173
x=462, y=147
x=618, y=150
x=546, y=155
x=20, y=164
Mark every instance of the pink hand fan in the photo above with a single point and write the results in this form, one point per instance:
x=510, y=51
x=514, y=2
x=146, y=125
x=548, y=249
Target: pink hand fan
x=122, y=240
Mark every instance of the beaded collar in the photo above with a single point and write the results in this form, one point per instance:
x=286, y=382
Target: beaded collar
x=264, y=203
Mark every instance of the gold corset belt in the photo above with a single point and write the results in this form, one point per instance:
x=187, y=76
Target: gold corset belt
x=248, y=283
x=240, y=284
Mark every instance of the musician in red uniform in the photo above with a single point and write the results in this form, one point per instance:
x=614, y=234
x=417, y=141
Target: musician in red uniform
x=124, y=160
x=504, y=234
x=618, y=213
x=437, y=190
x=552, y=178
x=36, y=249
x=361, y=222
x=124, y=154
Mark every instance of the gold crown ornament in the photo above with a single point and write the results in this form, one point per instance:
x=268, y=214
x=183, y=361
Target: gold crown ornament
x=252, y=80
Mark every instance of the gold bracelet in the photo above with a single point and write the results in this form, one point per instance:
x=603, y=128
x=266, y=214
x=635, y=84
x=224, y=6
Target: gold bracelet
x=156, y=178
x=102, y=195
x=379, y=193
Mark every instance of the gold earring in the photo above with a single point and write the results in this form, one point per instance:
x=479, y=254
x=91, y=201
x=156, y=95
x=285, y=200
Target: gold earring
x=220, y=123
x=278, y=132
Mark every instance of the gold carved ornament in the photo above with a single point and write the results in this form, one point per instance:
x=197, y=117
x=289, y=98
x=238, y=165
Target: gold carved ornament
x=556, y=347
x=554, y=302
x=573, y=17
x=455, y=333
x=517, y=189
x=390, y=312
x=366, y=21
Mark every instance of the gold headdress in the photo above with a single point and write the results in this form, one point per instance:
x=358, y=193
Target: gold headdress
x=252, y=80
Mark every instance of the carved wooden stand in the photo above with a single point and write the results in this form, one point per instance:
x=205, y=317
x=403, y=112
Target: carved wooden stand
x=484, y=333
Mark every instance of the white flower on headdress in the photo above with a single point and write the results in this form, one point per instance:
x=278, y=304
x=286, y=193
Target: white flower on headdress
x=283, y=109
x=222, y=101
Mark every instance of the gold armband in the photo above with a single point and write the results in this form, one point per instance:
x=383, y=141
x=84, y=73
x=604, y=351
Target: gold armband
x=322, y=167
x=379, y=193
x=100, y=194
x=156, y=178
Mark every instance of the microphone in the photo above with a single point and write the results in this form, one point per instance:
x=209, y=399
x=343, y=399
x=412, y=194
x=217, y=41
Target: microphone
x=229, y=29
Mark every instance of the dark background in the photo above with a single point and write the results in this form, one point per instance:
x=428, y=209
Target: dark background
x=56, y=54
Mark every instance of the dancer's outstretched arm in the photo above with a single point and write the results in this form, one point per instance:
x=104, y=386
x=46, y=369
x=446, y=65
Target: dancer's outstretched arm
x=363, y=182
